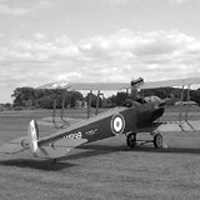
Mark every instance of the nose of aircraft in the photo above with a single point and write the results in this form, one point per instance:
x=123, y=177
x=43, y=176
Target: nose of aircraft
x=158, y=105
x=154, y=100
x=158, y=113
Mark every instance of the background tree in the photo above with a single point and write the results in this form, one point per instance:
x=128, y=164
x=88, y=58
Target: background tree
x=119, y=99
x=93, y=100
x=26, y=97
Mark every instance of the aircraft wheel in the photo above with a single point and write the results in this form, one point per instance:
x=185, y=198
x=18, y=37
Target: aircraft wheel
x=131, y=140
x=24, y=143
x=158, y=141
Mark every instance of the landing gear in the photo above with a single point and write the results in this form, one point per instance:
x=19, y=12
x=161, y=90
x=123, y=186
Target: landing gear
x=54, y=161
x=158, y=141
x=131, y=140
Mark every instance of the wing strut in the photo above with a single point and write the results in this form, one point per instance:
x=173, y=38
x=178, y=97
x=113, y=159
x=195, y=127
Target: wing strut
x=63, y=121
x=98, y=100
x=181, y=105
x=187, y=106
x=63, y=106
x=185, y=119
x=54, y=109
x=89, y=103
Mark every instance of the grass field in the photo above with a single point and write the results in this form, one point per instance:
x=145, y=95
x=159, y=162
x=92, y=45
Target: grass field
x=101, y=170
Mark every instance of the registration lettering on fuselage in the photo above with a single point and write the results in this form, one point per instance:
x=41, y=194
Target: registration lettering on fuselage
x=73, y=136
x=91, y=132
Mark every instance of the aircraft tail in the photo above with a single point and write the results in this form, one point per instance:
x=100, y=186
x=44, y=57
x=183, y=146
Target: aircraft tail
x=41, y=147
x=33, y=133
x=23, y=143
x=49, y=150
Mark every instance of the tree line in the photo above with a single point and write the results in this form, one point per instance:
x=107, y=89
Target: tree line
x=27, y=97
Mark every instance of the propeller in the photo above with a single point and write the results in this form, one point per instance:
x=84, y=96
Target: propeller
x=157, y=101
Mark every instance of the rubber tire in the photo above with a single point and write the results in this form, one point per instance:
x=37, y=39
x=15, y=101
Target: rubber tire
x=131, y=140
x=158, y=141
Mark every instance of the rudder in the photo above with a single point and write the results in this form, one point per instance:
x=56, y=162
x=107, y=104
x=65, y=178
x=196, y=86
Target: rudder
x=33, y=133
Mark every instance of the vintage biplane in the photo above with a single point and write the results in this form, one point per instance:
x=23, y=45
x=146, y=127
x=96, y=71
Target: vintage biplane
x=140, y=115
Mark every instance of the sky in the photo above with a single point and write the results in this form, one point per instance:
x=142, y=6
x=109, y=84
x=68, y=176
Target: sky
x=44, y=41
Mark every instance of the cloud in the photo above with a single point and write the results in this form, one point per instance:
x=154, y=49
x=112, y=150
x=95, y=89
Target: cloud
x=21, y=8
x=44, y=4
x=71, y=76
x=181, y=1
x=121, y=2
x=120, y=56
x=5, y=9
x=149, y=54
x=39, y=36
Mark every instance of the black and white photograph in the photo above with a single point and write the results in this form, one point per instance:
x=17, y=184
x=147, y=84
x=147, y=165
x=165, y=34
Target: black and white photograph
x=100, y=99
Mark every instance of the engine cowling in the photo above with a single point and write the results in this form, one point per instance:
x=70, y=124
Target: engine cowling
x=154, y=100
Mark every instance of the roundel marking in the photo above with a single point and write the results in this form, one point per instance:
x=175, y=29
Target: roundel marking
x=117, y=124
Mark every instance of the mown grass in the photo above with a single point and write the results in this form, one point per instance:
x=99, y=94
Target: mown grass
x=101, y=170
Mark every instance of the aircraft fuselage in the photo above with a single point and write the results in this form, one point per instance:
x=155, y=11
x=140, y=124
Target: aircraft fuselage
x=110, y=123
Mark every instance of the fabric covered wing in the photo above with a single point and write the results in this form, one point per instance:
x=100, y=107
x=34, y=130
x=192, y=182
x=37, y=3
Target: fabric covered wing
x=86, y=86
x=119, y=85
x=170, y=83
x=15, y=146
x=176, y=126
x=58, y=149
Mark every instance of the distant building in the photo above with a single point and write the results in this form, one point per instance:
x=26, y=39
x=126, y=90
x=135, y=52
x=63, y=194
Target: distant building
x=190, y=103
x=81, y=104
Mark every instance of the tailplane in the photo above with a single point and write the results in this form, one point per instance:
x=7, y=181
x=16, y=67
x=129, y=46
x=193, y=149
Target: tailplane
x=44, y=147
x=49, y=150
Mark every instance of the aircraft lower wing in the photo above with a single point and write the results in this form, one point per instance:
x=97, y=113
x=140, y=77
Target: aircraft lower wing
x=172, y=126
x=176, y=126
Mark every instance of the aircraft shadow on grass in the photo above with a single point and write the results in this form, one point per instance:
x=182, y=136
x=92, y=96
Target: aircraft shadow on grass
x=89, y=151
x=45, y=165
x=95, y=150
x=173, y=150
x=62, y=163
x=145, y=148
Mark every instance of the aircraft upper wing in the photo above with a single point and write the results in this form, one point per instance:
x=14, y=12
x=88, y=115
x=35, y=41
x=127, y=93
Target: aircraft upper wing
x=119, y=85
x=86, y=86
x=170, y=83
